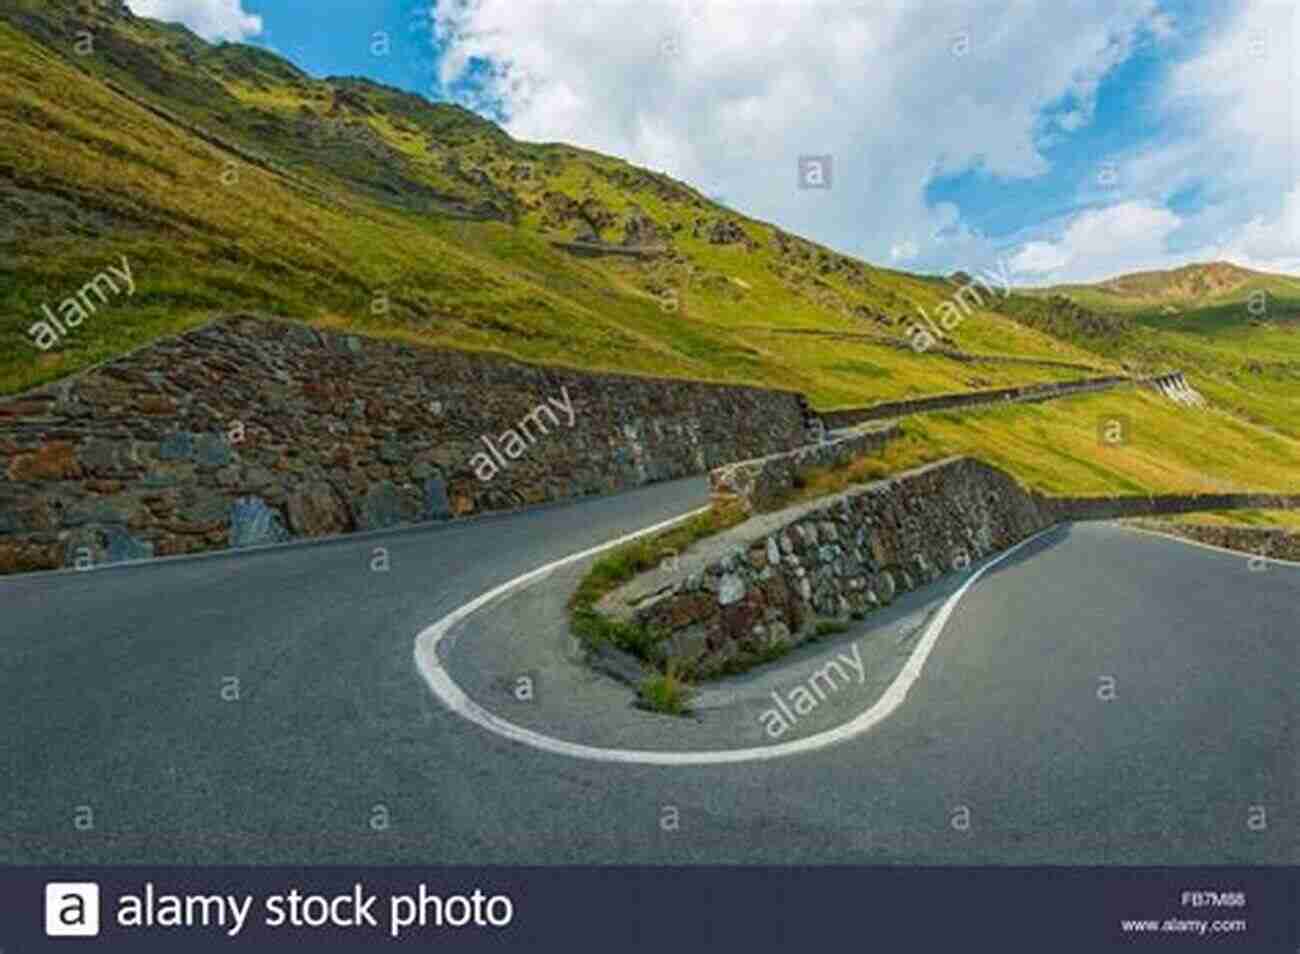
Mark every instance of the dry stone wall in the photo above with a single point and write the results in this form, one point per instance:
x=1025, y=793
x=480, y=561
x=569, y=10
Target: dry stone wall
x=250, y=431
x=760, y=483
x=1270, y=542
x=1116, y=508
x=942, y=402
x=766, y=584
x=841, y=558
x=1174, y=386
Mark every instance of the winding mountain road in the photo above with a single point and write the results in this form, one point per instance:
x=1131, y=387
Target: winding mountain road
x=1100, y=697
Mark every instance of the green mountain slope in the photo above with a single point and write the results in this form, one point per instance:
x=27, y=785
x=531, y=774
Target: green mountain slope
x=1237, y=329
x=1180, y=291
x=234, y=181
x=230, y=180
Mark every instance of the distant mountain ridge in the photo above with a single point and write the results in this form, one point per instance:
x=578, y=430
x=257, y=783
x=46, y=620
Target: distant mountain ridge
x=1194, y=280
x=1177, y=290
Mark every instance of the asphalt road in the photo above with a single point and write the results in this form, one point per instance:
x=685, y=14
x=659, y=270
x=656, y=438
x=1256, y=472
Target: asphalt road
x=123, y=741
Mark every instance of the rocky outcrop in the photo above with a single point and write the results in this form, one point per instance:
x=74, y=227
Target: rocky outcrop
x=591, y=217
x=639, y=229
x=723, y=231
x=250, y=431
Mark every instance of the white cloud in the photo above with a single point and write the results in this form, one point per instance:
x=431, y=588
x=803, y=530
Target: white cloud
x=1242, y=90
x=210, y=19
x=742, y=88
x=1163, y=26
x=904, y=251
x=1238, y=100
x=728, y=94
x=1039, y=258
x=1235, y=103
x=1086, y=80
x=1268, y=243
x=1100, y=243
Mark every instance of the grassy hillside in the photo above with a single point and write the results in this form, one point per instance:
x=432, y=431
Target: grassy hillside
x=1235, y=330
x=231, y=180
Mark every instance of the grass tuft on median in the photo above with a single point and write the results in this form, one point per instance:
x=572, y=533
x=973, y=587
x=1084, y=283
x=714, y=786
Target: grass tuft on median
x=667, y=692
x=612, y=571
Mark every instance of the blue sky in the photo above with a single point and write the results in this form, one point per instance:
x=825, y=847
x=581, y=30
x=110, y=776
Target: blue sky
x=1072, y=139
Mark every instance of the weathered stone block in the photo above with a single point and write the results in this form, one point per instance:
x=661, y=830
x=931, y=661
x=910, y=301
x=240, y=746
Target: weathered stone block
x=155, y=404
x=28, y=557
x=437, y=505
x=107, y=457
x=10, y=520
x=383, y=506
x=56, y=460
x=688, y=645
x=28, y=408
x=119, y=509
x=178, y=446
x=212, y=450
x=315, y=510
x=203, y=506
x=253, y=523
x=120, y=546
x=731, y=589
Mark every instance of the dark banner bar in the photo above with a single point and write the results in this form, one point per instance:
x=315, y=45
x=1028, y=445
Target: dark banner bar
x=651, y=909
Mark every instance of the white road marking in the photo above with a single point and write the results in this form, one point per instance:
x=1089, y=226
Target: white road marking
x=446, y=689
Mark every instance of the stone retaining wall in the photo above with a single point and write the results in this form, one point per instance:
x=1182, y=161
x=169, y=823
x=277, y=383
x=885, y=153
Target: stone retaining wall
x=1175, y=387
x=941, y=402
x=1118, y=508
x=937, y=350
x=250, y=431
x=845, y=555
x=760, y=483
x=1271, y=542
x=841, y=558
